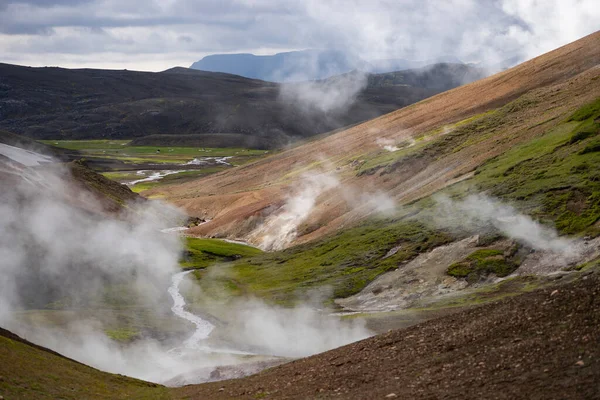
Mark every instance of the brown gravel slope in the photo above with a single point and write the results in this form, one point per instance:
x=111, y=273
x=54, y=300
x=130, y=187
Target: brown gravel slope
x=556, y=83
x=540, y=345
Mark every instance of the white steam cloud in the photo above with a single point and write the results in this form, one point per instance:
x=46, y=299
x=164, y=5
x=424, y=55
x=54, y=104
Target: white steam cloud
x=394, y=145
x=57, y=252
x=477, y=211
x=387, y=144
x=280, y=229
x=297, y=332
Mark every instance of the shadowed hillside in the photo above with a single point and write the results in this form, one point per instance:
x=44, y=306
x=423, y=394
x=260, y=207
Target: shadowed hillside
x=56, y=103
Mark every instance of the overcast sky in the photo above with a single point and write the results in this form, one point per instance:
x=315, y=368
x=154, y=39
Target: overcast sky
x=155, y=35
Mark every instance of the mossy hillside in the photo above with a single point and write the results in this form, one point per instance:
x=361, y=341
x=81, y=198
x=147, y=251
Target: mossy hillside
x=383, y=160
x=446, y=139
x=551, y=177
x=201, y=253
x=546, y=177
x=123, y=335
x=338, y=266
x=114, y=195
x=481, y=263
x=29, y=372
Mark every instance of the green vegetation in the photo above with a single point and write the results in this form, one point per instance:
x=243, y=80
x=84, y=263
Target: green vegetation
x=341, y=265
x=120, y=150
x=124, y=335
x=115, y=196
x=200, y=253
x=180, y=177
x=29, y=372
x=555, y=176
x=586, y=112
x=481, y=263
x=447, y=139
x=546, y=177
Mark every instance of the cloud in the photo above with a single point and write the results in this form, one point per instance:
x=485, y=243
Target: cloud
x=111, y=31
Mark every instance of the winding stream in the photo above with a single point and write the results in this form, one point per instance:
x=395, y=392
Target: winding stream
x=154, y=176
x=203, y=327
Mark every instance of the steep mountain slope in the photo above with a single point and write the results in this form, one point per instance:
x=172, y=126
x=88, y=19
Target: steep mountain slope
x=55, y=103
x=439, y=142
x=72, y=180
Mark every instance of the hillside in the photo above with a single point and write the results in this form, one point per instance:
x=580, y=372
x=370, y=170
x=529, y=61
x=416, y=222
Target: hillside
x=439, y=142
x=56, y=103
x=63, y=173
x=29, y=371
x=464, y=230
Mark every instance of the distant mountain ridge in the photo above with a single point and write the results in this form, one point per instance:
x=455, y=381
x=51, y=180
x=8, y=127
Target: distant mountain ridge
x=296, y=66
x=232, y=111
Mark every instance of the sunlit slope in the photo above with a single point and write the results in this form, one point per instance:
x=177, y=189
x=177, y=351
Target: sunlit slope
x=453, y=133
x=29, y=371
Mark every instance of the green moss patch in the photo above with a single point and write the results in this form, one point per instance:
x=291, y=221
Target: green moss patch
x=481, y=263
x=588, y=111
x=31, y=372
x=200, y=253
x=124, y=335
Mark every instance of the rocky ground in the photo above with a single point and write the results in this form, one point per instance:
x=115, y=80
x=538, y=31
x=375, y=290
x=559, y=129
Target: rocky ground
x=540, y=345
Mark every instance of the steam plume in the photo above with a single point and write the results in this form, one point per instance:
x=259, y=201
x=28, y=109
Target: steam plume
x=478, y=211
x=280, y=229
x=60, y=251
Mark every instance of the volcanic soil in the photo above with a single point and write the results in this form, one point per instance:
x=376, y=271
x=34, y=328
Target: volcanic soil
x=540, y=345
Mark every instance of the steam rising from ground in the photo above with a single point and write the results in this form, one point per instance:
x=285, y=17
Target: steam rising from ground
x=387, y=144
x=281, y=228
x=395, y=145
x=57, y=251
x=476, y=212
x=297, y=332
